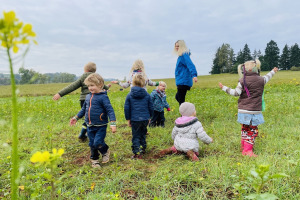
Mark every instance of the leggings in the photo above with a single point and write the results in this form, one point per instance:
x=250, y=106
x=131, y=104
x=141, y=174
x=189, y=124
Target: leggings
x=249, y=133
x=181, y=92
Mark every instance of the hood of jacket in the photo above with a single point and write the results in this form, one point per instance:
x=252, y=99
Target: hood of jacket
x=138, y=92
x=185, y=121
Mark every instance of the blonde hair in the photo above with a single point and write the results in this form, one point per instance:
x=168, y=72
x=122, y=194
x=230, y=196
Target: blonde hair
x=90, y=67
x=138, y=65
x=138, y=80
x=95, y=79
x=182, y=48
x=252, y=65
x=162, y=83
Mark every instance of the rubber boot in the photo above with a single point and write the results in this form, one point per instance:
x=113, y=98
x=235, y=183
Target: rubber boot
x=191, y=154
x=248, y=150
x=82, y=136
x=164, y=152
x=242, y=144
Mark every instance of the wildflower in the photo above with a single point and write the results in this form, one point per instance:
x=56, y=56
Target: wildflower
x=93, y=186
x=21, y=187
x=40, y=157
x=239, y=163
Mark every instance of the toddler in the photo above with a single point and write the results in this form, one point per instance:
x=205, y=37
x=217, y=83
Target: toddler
x=138, y=110
x=137, y=68
x=250, y=90
x=89, y=68
x=159, y=100
x=96, y=109
x=185, y=133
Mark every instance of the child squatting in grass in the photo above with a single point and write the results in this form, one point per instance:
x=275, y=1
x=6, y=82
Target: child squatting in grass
x=250, y=89
x=185, y=133
x=89, y=68
x=96, y=109
x=138, y=110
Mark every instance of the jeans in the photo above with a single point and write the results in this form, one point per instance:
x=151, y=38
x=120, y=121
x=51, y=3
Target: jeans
x=158, y=119
x=181, y=92
x=97, y=144
x=139, y=131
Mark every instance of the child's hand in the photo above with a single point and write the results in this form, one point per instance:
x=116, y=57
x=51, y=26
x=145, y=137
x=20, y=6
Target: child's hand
x=168, y=109
x=73, y=121
x=56, y=97
x=115, y=82
x=113, y=129
x=275, y=69
x=129, y=123
x=221, y=85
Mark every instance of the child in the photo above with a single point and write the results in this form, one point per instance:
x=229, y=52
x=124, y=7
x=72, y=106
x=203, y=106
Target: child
x=159, y=100
x=137, y=68
x=138, y=110
x=89, y=68
x=185, y=133
x=250, y=89
x=97, y=109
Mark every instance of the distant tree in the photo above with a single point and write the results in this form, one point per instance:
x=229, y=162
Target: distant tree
x=224, y=59
x=64, y=78
x=295, y=56
x=271, y=57
x=284, y=61
x=254, y=55
x=240, y=57
x=246, y=53
x=26, y=75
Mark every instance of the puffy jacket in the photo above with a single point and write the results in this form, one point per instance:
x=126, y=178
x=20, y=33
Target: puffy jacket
x=186, y=132
x=185, y=70
x=159, y=100
x=138, y=105
x=97, y=109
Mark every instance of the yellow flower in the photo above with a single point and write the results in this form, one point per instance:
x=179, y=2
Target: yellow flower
x=21, y=187
x=8, y=157
x=93, y=186
x=40, y=157
x=239, y=163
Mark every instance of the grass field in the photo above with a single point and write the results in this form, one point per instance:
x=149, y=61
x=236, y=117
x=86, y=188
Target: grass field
x=221, y=173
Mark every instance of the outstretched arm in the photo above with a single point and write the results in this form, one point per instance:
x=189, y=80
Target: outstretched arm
x=234, y=92
x=268, y=76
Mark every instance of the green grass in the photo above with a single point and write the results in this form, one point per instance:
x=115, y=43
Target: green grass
x=43, y=125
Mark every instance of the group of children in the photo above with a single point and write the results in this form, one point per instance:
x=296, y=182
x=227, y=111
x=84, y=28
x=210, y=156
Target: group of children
x=142, y=109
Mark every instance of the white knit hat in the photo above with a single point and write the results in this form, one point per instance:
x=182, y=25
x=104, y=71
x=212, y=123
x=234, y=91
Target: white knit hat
x=187, y=109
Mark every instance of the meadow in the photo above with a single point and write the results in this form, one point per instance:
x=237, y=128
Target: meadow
x=221, y=173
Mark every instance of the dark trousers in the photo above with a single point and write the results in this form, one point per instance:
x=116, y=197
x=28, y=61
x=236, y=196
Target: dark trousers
x=84, y=127
x=97, y=144
x=158, y=119
x=139, y=131
x=181, y=92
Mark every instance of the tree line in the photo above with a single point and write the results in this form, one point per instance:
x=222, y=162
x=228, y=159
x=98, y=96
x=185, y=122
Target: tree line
x=29, y=76
x=225, y=60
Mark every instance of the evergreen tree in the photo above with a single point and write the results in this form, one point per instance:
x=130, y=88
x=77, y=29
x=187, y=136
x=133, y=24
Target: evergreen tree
x=284, y=62
x=240, y=57
x=223, y=60
x=246, y=53
x=271, y=58
x=254, y=55
x=295, y=56
x=216, y=68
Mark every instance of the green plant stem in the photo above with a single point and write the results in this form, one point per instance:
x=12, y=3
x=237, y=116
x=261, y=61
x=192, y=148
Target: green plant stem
x=14, y=153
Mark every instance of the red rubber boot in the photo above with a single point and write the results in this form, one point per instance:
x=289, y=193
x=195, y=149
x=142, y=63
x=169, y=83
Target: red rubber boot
x=248, y=150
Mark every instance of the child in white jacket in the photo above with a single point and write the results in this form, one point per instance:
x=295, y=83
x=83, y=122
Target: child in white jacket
x=186, y=132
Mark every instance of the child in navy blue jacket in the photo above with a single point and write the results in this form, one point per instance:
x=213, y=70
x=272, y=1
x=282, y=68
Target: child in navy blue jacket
x=138, y=110
x=159, y=100
x=97, y=109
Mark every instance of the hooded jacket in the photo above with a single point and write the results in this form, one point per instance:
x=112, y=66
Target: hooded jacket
x=185, y=134
x=138, y=105
x=97, y=108
x=185, y=70
x=159, y=100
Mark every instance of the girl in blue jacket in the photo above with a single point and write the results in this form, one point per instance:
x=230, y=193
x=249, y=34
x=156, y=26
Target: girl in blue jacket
x=185, y=71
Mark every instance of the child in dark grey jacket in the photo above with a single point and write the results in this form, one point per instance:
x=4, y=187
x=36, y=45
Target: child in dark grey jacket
x=186, y=132
x=138, y=110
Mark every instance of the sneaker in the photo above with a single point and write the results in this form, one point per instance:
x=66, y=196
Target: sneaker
x=95, y=164
x=105, y=157
x=136, y=156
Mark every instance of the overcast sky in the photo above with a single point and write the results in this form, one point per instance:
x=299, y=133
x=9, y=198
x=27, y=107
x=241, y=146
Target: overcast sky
x=114, y=33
